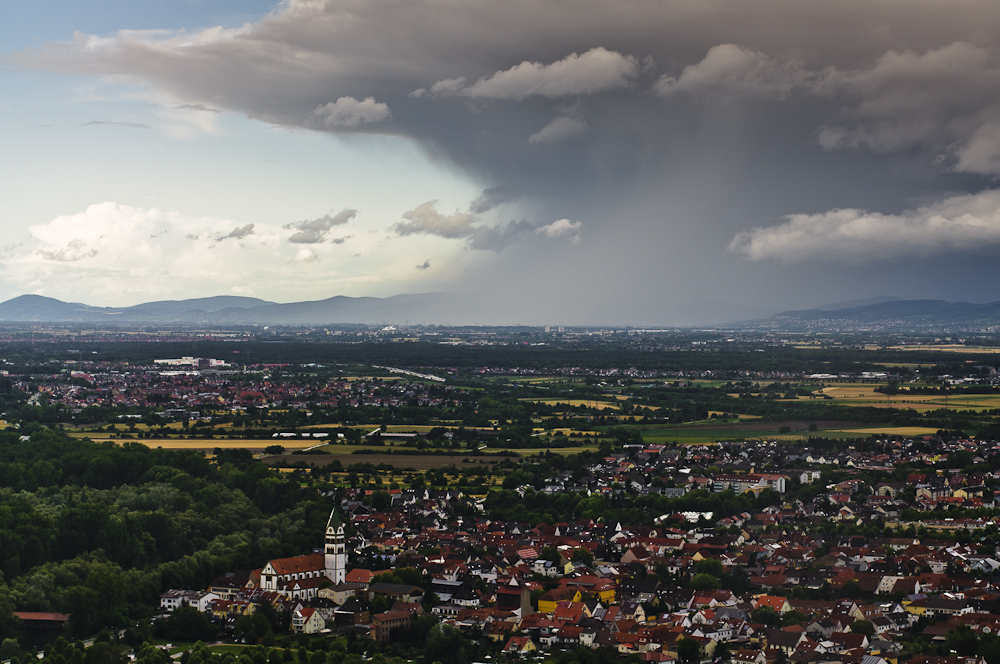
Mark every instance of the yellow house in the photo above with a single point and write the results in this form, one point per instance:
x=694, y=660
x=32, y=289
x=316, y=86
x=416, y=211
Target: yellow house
x=222, y=608
x=548, y=602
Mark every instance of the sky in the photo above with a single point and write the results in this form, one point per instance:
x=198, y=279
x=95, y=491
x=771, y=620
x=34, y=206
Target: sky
x=642, y=162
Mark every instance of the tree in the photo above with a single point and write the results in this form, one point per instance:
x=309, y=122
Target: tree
x=447, y=645
x=863, y=627
x=708, y=566
x=688, y=650
x=584, y=556
x=704, y=582
x=381, y=501
x=9, y=648
x=794, y=618
x=186, y=623
x=766, y=616
x=962, y=640
x=852, y=589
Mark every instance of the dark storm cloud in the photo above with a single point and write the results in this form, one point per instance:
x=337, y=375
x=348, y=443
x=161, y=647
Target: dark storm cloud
x=673, y=131
x=491, y=198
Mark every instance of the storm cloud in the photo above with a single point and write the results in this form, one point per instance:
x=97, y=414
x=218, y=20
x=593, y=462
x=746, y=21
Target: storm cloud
x=700, y=132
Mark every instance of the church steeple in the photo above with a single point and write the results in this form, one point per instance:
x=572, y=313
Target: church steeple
x=335, y=558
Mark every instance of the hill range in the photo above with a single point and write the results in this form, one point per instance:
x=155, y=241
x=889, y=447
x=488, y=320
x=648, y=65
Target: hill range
x=875, y=314
x=430, y=308
x=890, y=314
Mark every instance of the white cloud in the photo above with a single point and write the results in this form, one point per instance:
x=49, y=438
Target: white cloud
x=958, y=224
x=425, y=219
x=349, y=113
x=449, y=86
x=597, y=70
x=560, y=228
x=111, y=252
x=74, y=250
x=730, y=68
x=304, y=256
x=314, y=231
x=560, y=129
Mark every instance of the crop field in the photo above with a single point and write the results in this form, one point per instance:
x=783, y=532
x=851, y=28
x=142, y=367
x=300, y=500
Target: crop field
x=415, y=461
x=888, y=430
x=953, y=348
x=858, y=394
x=709, y=432
x=210, y=444
x=588, y=403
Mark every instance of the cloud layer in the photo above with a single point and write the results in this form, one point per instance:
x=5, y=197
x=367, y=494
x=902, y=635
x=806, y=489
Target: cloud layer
x=668, y=130
x=426, y=220
x=315, y=231
x=969, y=223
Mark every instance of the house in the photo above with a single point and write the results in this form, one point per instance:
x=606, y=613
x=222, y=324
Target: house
x=307, y=621
x=42, y=620
x=385, y=624
x=197, y=599
x=520, y=645
x=778, y=604
x=548, y=602
x=396, y=592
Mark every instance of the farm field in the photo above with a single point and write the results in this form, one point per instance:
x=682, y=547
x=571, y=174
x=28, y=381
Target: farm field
x=210, y=444
x=865, y=395
x=888, y=430
x=416, y=461
x=589, y=403
x=953, y=348
x=704, y=433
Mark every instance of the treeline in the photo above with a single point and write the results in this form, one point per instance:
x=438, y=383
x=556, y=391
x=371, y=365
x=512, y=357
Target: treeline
x=728, y=359
x=99, y=531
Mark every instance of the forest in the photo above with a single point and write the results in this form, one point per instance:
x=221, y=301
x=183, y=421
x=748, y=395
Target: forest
x=100, y=530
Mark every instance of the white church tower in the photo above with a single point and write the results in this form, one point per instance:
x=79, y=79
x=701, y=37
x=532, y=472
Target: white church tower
x=335, y=559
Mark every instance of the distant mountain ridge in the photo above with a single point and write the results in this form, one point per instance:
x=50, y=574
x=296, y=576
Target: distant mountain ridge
x=230, y=309
x=917, y=314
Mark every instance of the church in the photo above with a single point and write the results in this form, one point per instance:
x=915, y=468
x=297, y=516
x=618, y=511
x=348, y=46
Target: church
x=300, y=577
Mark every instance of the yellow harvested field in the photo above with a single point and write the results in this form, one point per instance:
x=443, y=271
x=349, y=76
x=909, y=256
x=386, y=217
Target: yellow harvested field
x=739, y=417
x=206, y=444
x=566, y=431
x=952, y=348
x=889, y=431
x=589, y=403
x=865, y=395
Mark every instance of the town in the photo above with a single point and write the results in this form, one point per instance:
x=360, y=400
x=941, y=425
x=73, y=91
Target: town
x=779, y=501
x=778, y=584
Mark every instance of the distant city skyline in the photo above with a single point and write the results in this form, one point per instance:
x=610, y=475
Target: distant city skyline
x=579, y=162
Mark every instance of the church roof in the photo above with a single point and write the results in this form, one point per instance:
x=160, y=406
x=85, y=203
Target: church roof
x=308, y=563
